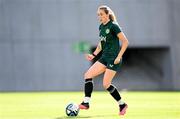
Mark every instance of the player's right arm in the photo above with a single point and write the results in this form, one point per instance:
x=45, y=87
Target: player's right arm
x=98, y=49
x=95, y=53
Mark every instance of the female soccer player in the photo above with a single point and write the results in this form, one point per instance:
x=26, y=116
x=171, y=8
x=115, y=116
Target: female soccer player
x=110, y=34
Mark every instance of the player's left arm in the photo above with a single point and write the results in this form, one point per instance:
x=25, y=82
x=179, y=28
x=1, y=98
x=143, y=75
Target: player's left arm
x=124, y=41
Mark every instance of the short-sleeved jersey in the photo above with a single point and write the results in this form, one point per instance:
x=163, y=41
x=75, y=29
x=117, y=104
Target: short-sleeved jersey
x=109, y=40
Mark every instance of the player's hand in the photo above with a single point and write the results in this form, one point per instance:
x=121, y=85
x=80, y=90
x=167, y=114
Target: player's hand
x=117, y=60
x=89, y=57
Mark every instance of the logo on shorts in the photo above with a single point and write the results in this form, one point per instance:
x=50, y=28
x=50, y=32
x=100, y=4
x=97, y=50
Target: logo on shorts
x=111, y=65
x=107, y=31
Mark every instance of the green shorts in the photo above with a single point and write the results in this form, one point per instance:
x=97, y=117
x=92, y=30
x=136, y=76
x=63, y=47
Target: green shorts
x=109, y=63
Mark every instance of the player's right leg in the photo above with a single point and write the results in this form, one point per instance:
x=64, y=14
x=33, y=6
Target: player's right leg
x=96, y=69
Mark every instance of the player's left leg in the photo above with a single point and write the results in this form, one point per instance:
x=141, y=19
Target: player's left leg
x=108, y=76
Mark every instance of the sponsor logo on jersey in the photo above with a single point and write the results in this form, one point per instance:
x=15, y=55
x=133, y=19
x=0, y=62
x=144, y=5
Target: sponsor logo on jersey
x=102, y=38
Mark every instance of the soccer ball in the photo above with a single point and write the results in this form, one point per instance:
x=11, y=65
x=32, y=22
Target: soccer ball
x=72, y=109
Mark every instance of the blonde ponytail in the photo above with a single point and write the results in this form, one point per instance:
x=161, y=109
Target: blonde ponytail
x=108, y=10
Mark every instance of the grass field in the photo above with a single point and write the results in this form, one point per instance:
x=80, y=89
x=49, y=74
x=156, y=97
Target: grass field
x=51, y=105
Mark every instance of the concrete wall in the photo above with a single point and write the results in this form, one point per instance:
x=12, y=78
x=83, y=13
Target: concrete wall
x=36, y=38
x=175, y=42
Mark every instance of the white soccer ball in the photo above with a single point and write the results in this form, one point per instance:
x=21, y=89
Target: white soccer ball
x=72, y=109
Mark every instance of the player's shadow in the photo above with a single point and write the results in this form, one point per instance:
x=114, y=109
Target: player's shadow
x=73, y=117
x=83, y=117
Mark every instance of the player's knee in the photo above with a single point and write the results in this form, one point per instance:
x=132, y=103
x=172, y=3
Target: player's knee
x=106, y=85
x=87, y=75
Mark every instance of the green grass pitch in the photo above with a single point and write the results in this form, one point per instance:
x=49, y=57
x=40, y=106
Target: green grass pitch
x=51, y=105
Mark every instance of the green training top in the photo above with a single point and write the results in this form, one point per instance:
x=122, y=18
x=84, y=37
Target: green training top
x=109, y=40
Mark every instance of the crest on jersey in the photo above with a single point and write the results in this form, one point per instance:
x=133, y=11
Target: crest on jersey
x=107, y=31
